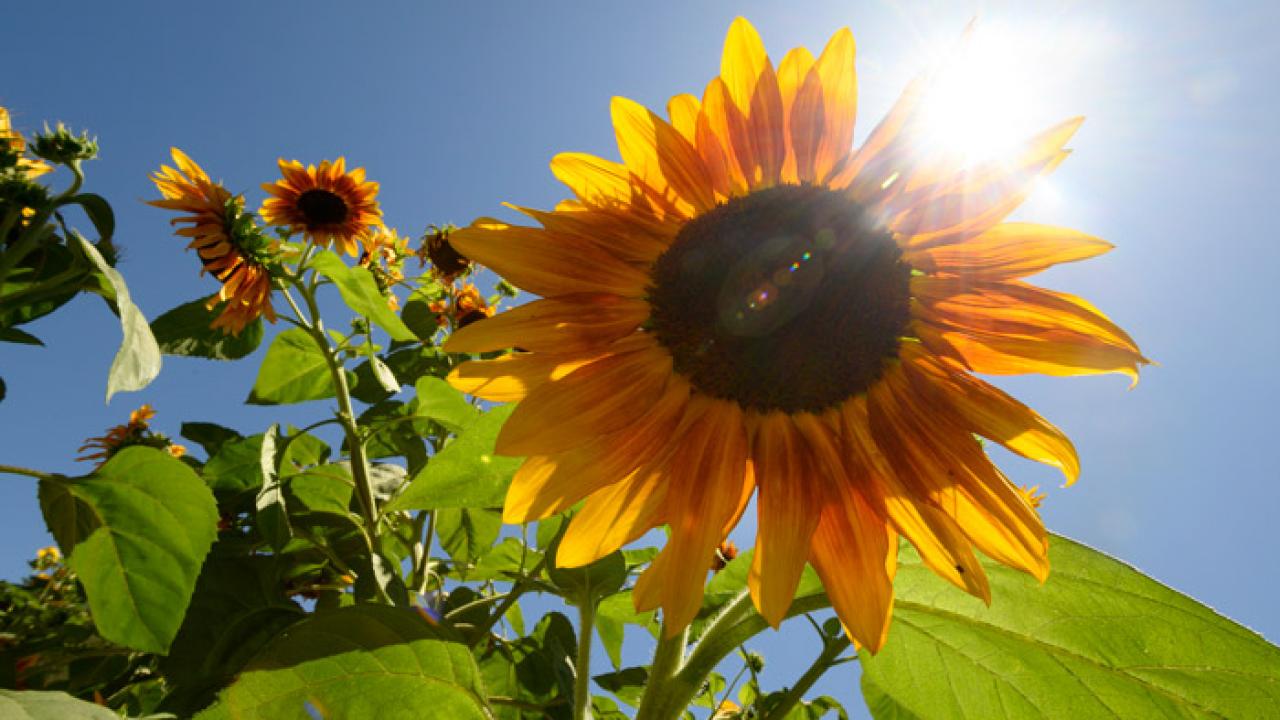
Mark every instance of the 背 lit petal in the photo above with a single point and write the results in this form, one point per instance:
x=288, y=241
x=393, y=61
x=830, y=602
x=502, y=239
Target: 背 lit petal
x=747, y=303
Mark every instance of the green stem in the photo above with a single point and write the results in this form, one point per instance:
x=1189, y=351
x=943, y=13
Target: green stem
x=582, y=664
x=520, y=587
x=15, y=470
x=668, y=658
x=826, y=659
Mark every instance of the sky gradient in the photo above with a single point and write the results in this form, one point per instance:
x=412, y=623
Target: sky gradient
x=458, y=107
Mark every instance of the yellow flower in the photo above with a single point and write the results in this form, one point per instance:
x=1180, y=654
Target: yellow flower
x=326, y=203
x=31, y=167
x=749, y=305
x=1032, y=495
x=211, y=218
x=469, y=306
x=49, y=554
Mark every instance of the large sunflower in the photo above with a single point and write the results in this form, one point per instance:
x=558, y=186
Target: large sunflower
x=229, y=246
x=748, y=304
x=327, y=203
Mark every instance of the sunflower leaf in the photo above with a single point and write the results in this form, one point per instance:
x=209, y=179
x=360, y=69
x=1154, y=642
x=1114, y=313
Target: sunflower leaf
x=136, y=531
x=185, y=330
x=360, y=292
x=466, y=473
x=358, y=662
x=294, y=370
x=137, y=362
x=1098, y=639
x=48, y=705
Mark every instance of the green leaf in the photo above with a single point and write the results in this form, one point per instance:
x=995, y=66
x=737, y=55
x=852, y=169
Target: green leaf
x=99, y=212
x=467, y=534
x=627, y=685
x=294, y=370
x=44, y=705
x=324, y=488
x=357, y=663
x=590, y=582
x=613, y=613
x=236, y=610
x=209, y=436
x=503, y=561
x=185, y=330
x=360, y=291
x=153, y=521
x=14, y=335
x=273, y=516
x=466, y=473
x=236, y=466
x=138, y=361
x=1098, y=639
x=439, y=401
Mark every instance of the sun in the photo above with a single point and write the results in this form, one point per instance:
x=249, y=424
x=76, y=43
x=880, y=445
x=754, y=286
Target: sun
x=982, y=95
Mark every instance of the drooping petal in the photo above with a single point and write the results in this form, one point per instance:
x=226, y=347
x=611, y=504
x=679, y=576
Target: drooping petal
x=564, y=324
x=547, y=484
x=853, y=551
x=614, y=516
x=785, y=515
x=594, y=400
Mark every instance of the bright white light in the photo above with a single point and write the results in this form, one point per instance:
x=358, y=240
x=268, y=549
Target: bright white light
x=983, y=97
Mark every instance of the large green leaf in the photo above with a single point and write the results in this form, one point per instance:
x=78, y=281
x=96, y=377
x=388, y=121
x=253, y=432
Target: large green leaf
x=439, y=401
x=137, y=362
x=136, y=532
x=466, y=473
x=360, y=292
x=467, y=534
x=535, y=669
x=237, y=608
x=44, y=705
x=294, y=370
x=357, y=662
x=1098, y=639
x=236, y=466
x=185, y=330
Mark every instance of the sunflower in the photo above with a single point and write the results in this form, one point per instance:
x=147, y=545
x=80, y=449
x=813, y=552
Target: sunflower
x=229, y=245
x=13, y=139
x=748, y=305
x=327, y=203
x=136, y=432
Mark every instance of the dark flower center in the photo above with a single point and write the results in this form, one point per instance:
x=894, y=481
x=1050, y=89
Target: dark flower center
x=322, y=207
x=786, y=299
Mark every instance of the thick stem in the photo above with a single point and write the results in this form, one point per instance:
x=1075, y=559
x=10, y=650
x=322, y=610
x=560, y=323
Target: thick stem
x=831, y=650
x=582, y=663
x=668, y=658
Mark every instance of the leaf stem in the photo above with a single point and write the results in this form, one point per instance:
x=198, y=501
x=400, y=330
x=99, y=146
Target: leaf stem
x=582, y=663
x=668, y=659
x=831, y=649
x=16, y=470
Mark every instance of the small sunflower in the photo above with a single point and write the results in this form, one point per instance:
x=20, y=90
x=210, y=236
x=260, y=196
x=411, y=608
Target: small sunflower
x=31, y=168
x=326, y=203
x=136, y=432
x=229, y=245
x=749, y=305
x=446, y=262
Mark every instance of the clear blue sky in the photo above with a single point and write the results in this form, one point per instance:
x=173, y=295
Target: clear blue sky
x=458, y=108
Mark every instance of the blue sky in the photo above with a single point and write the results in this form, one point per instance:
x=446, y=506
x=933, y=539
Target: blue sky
x=456, y=107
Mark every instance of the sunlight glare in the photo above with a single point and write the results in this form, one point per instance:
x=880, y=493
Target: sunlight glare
x=983, y=95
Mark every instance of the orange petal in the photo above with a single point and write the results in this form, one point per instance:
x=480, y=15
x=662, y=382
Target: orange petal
x=683, y=111
x=565, y=323
x=511, y=377
x=546, y=264
x=595, y=181
x=852, y=551
x=742, y=63
x=548, y=484
x=594, y=400
x=785, y=515
x=714, y=144
x=839, y=102
x=792, y=72
x=660, y=156
x=613, y=517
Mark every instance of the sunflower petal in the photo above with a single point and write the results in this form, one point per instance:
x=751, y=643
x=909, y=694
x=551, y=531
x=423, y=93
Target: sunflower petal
x=852, y=552
x=613, y=517
x=511, y=377
x=835, y=67
x=742, y=63
x=792, y=72
x=565, y=324
x=545, y=264
x=785, y=517
x=594, y=400
x=683, y=111
x=1008, y=251
x=661, y=157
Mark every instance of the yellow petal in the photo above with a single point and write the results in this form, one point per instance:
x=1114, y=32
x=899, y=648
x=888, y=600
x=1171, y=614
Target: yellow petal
x=742, y=63
x=566, y=324
x=767, y=124
x=546, y=264
x=660, y=156
x=511, y=377
x=594, y=180
x=613, y=517
x=785, y=515
x=714, y=144
x=683, y=111
x=594, y=400
x=1008, y=251
x=839, y=102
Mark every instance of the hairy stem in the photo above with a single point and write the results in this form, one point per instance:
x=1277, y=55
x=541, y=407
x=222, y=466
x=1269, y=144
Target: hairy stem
x=582, y=663
x=668, y=658
x=16, y=470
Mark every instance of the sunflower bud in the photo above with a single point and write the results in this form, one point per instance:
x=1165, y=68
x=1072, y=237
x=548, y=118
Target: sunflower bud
x=60, y=146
